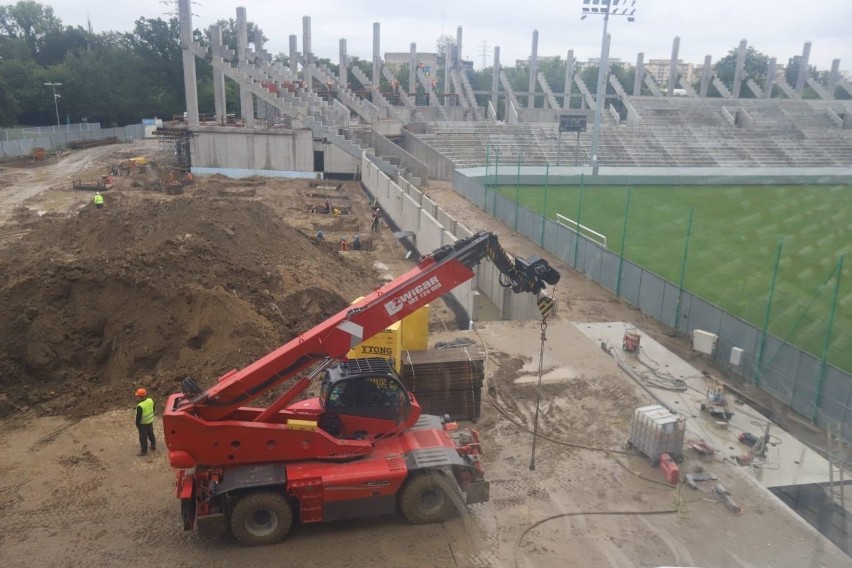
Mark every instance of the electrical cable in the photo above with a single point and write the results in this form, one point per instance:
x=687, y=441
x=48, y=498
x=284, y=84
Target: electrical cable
x=582, y=514
x=608, y=451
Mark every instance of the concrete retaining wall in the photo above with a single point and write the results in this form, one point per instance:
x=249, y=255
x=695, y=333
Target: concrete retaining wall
x=433, y=228
x=336, y=161
x=385, y=148
x=439, y=166
x=222, y=148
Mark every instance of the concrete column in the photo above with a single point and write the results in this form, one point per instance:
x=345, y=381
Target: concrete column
x=533, y=70
x=804, y=63
x=739, y=70
x=673, y=67
x=706, y=74
x=377, y=54
x=495, y=80
x=294, y=66
x=242, y=34
x=600, y=101
x=246, y=98
x=189, y=81
x=639, y=75
x=258, y=42
x=771, y=70
x=412, y=69
x=219, y=103
x=343, y=66
x=306, y=52
x=459, y=54
x=448, y=62
x=833, y=77
x=569, y=79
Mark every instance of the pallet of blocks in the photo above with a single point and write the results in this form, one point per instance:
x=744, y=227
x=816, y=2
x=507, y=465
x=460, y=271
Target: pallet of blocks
x=446, y=381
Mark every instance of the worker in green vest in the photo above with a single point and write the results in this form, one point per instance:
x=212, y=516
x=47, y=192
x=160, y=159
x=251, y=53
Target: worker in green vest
x=98, y=200
x=145, y=421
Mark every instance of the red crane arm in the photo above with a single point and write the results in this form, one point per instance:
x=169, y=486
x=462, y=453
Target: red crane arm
x=434, y=276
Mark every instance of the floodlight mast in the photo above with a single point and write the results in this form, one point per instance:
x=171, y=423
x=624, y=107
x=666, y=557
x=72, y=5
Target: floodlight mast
x=55, y=99
x=604, y=8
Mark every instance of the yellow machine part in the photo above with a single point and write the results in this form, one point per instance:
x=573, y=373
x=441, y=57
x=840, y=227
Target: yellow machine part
x=307, y=425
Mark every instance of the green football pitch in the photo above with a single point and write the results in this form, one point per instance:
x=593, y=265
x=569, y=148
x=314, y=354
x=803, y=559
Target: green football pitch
x=733, y=243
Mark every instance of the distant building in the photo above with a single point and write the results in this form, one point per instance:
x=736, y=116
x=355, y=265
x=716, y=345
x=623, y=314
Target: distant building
x=595, y=61
x=659, y=69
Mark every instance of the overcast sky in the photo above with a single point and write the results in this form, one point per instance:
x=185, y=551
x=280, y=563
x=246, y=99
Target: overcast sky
x=778, y=28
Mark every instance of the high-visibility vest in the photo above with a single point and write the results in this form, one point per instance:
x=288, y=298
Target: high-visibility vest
x=147, y=407
x=98, y=199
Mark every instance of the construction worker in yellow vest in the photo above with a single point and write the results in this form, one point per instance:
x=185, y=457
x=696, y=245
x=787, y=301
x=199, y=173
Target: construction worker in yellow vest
x=98, y=200
x=145, y=421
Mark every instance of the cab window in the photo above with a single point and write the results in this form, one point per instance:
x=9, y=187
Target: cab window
x=378, y=391
x=341, y=395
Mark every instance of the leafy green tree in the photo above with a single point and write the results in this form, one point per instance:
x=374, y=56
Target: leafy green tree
x=24, y=79
x=229, y=32
x=156, y=44
x=8, y=105
x=791, y=73
x=29, y=21
x=755, y=65
x=58, y=42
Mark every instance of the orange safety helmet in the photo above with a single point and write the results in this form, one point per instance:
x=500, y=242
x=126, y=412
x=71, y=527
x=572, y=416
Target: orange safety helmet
x=141, y=392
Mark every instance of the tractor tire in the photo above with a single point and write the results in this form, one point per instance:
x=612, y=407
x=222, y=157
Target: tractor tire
x=261, y=518
x=428, y=498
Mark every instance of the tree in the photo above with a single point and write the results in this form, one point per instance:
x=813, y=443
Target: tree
x=156, y=44
x=791, y=73
x=8, y=105
x=229, y=32
x=755, y=65
x=57, y=43
x=29, y=21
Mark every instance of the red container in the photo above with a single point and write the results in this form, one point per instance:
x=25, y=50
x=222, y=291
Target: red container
x=669, y=468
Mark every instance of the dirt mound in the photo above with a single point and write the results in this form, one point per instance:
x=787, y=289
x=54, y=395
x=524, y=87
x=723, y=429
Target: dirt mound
x=146, y=292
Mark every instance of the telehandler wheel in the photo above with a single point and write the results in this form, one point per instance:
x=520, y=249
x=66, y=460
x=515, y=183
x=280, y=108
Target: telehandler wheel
x=428, y=498
x=261, y=518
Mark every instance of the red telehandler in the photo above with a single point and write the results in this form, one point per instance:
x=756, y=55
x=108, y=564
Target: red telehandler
x=362, y=448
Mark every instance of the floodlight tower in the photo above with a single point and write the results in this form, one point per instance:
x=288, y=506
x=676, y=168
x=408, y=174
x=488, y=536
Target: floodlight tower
x=55, y=99
x=605, y=8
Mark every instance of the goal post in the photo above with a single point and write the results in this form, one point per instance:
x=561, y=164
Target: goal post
x=582, y=229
